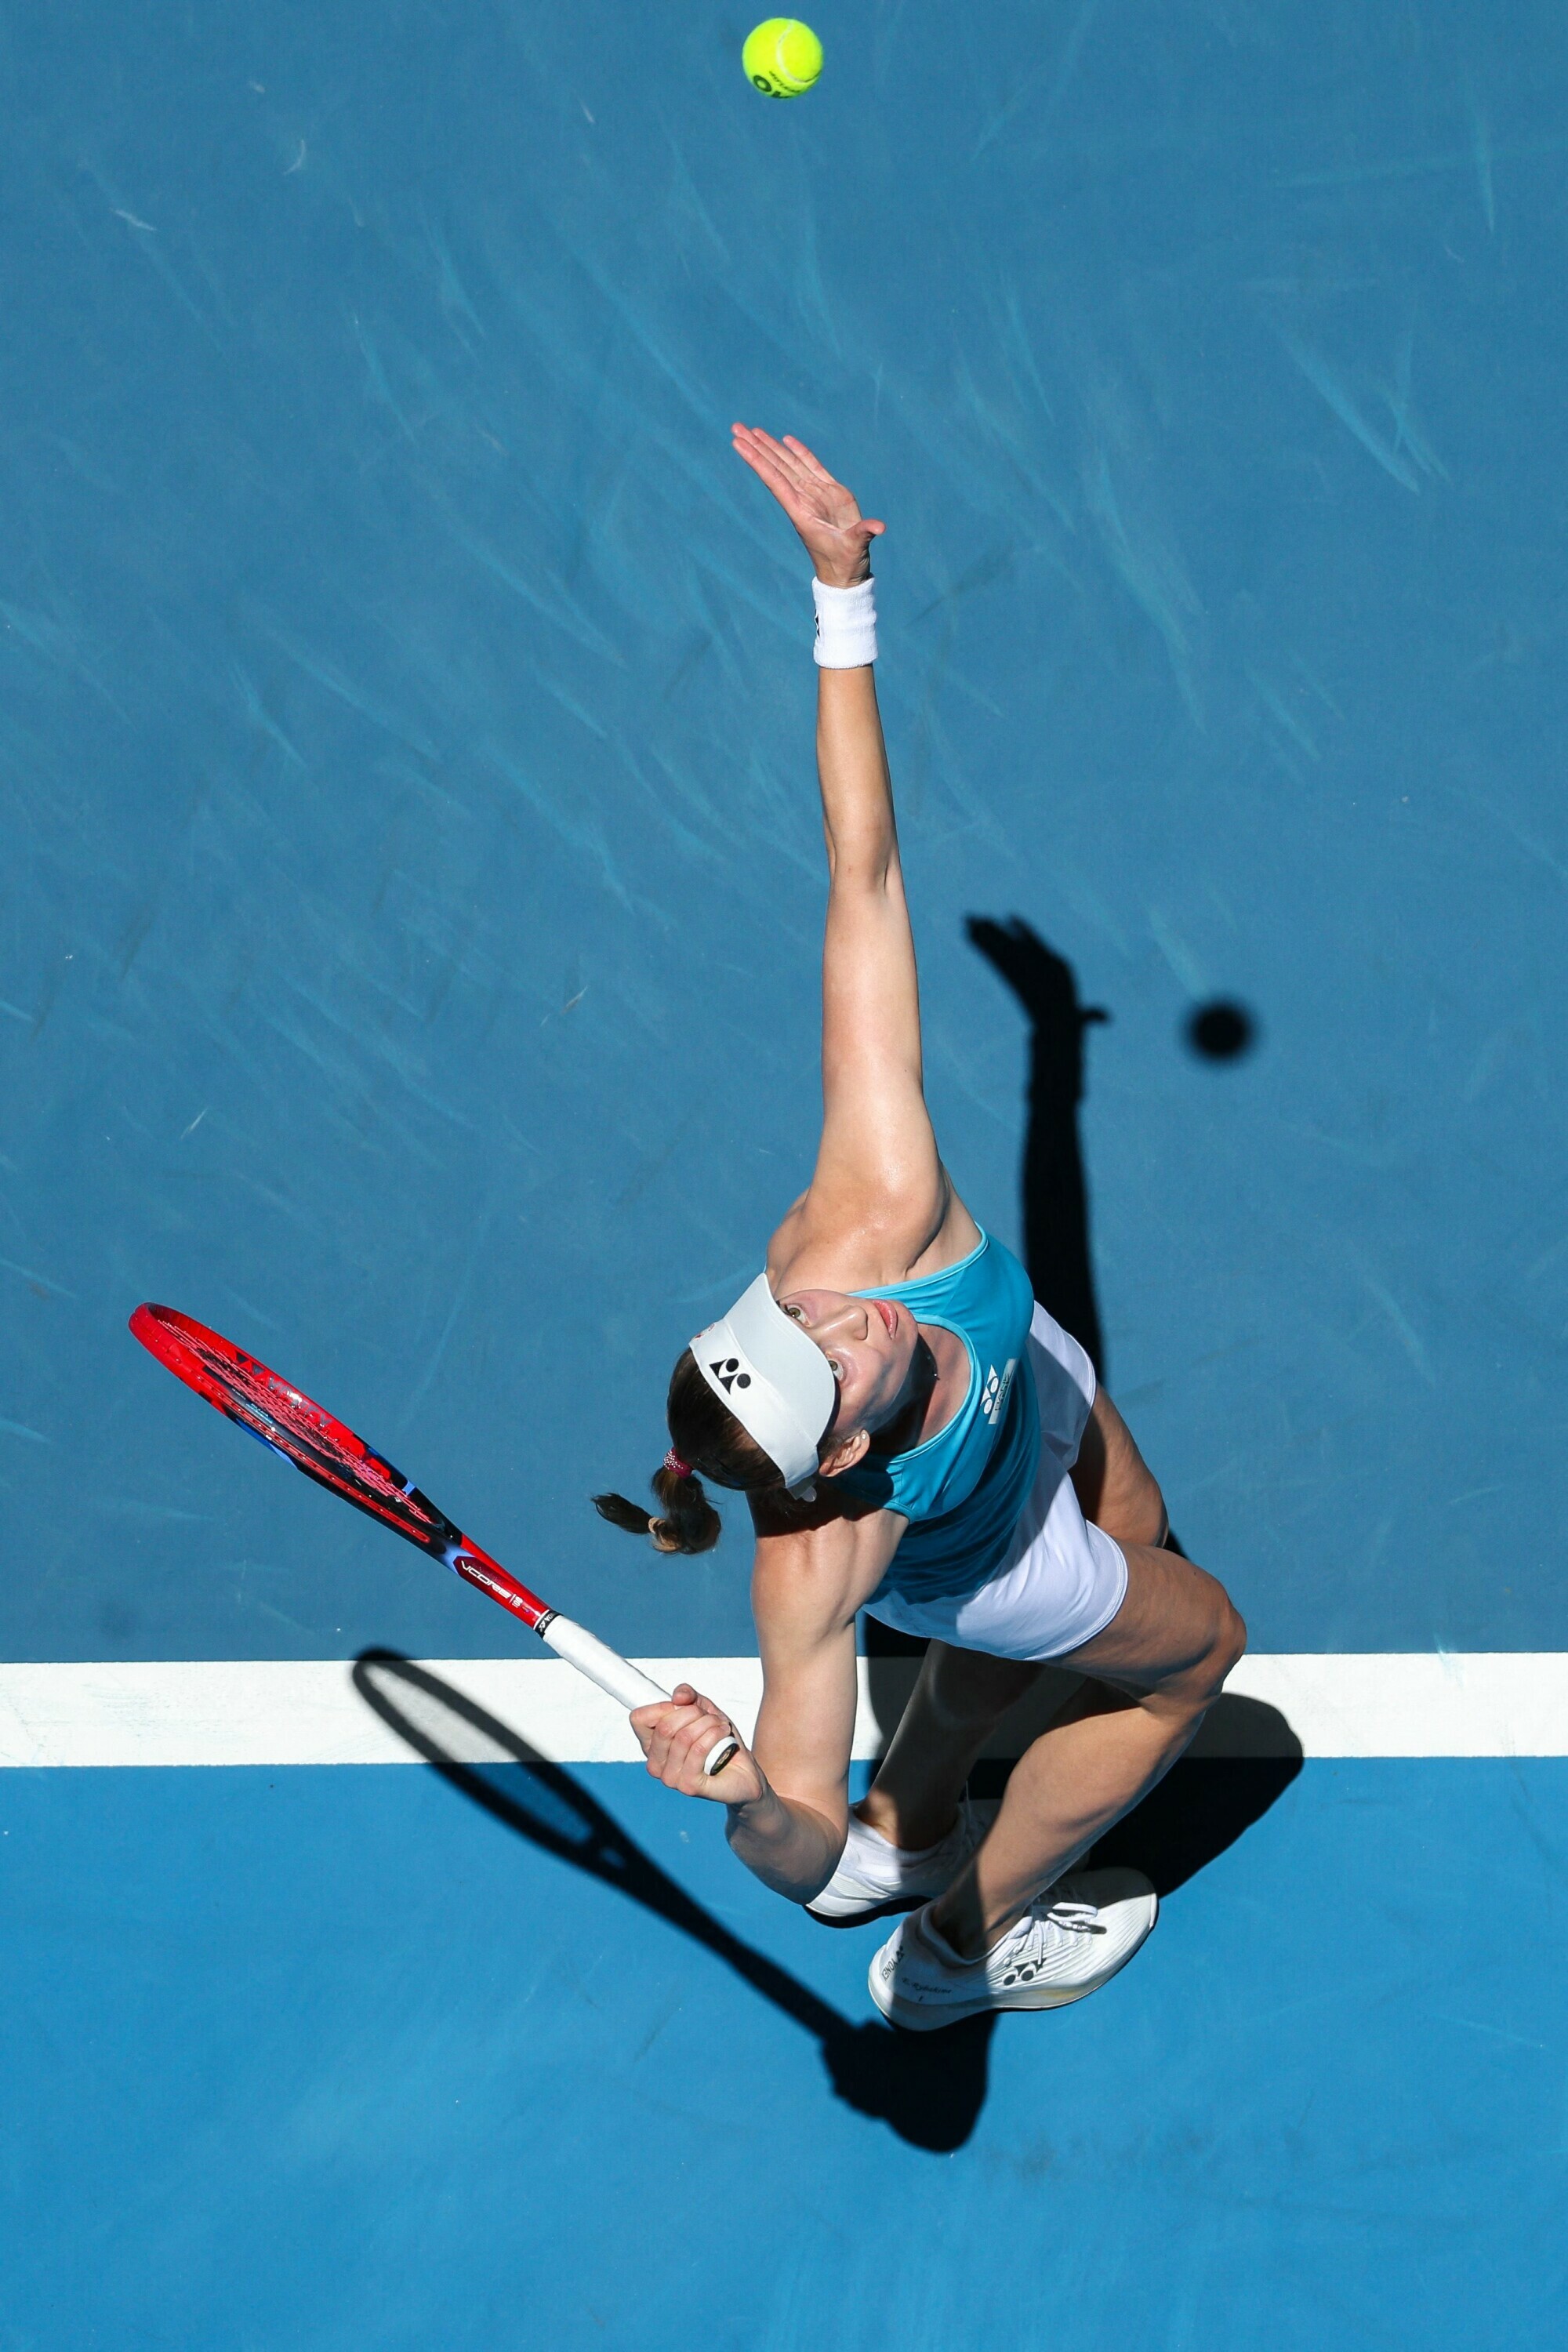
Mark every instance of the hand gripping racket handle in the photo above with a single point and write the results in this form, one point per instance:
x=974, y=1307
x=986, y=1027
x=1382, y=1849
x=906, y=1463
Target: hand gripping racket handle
x=316, y=1442
x=617, y=1675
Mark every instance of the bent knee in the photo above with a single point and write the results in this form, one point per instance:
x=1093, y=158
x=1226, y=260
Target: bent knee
x=1219, y=1646
x=1228, y=1645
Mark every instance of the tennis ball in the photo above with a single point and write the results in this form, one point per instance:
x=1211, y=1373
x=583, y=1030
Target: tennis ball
x=781, y=57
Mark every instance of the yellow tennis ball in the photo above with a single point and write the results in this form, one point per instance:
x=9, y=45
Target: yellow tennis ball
x=781, y=57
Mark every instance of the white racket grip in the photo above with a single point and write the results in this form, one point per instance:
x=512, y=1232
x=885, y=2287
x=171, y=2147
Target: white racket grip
x=600, y=1663
x=617, y=1675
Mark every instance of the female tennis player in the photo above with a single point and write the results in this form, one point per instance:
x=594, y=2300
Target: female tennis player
x=917, y=1437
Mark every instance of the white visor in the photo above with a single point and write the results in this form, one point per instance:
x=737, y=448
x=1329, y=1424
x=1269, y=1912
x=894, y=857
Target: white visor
x=773, y=1377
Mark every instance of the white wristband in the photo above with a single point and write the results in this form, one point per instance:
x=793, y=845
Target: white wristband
x=845, y=626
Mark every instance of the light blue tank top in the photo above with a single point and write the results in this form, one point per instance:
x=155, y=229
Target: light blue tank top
x=962, y=1490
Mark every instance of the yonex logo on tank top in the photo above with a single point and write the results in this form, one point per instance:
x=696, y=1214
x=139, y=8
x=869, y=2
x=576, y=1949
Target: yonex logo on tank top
x=995, y=1395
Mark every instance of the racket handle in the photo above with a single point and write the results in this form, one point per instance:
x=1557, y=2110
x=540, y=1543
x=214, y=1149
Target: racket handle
x=617, y=1675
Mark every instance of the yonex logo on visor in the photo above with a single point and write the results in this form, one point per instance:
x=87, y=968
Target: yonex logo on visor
x=773, y=1377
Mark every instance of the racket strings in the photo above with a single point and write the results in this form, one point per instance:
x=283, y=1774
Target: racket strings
x=317, y=1443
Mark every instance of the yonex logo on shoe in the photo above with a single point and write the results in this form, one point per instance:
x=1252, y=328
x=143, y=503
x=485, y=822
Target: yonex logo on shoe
x=729, y=1374
x=994, y=1396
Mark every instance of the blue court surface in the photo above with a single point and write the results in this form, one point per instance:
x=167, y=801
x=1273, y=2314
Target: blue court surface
x=336, y=2059
x=409, y=927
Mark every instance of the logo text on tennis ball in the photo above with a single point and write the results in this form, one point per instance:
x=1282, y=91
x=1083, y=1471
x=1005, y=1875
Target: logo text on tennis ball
x=781, y=57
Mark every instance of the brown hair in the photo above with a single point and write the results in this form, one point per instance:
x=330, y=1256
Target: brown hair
x=707, y=1436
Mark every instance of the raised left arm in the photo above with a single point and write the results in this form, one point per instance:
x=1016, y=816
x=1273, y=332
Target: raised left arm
x=878, y=1165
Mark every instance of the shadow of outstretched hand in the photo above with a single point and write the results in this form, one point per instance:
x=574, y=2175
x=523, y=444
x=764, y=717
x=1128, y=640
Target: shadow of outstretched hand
x=1046, y=988
x=929, y=2088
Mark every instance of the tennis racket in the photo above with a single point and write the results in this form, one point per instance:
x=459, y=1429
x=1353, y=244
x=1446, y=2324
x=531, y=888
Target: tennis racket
x=307, y=1435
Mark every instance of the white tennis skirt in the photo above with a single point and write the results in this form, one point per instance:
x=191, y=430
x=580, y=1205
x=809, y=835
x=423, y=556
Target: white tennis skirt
x=1063, y=1579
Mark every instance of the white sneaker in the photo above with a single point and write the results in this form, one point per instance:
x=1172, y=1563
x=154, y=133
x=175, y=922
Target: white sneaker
x=874, y=1877
x=1070, y=1941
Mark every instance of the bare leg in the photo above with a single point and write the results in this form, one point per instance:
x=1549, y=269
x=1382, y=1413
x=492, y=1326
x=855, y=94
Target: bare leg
x=960, y=1695
x=1166, y=1653
x=1114, y=1485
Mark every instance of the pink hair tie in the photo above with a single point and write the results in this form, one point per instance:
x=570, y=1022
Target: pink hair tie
x=672, y=1461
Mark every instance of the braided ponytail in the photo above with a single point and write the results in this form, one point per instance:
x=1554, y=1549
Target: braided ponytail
x=705, y=1430
x=690, y=1522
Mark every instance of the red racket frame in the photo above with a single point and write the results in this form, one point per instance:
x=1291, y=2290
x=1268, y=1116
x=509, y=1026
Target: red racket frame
x=272, y=1409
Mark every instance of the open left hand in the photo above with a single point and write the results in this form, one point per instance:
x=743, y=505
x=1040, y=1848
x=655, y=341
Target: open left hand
x=678, y=1732
x=834, y=533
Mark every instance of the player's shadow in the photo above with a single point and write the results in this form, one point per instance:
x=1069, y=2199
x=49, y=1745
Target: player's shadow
x=1243, y=1761
x=1055, y=1197
x=1247, y=1754
x=929, y=2088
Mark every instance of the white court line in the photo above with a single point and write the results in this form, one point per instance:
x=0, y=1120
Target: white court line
x=284, y=1711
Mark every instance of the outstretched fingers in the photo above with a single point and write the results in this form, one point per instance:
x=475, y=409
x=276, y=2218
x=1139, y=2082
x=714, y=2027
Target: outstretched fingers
x=768, y=459
x=813, y=472
x=783, y=471
x=821, y=508
x=809, y=459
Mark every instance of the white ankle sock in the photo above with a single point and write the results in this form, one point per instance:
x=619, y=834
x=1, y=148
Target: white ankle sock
x=904, y=1853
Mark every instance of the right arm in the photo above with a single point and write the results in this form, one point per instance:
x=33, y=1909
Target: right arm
x=787, y=1796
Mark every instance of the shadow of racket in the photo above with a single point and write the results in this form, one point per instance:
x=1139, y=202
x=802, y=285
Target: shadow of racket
x=928, y=2088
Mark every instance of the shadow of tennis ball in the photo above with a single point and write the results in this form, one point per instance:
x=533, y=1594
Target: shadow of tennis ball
x=1221, y=1030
